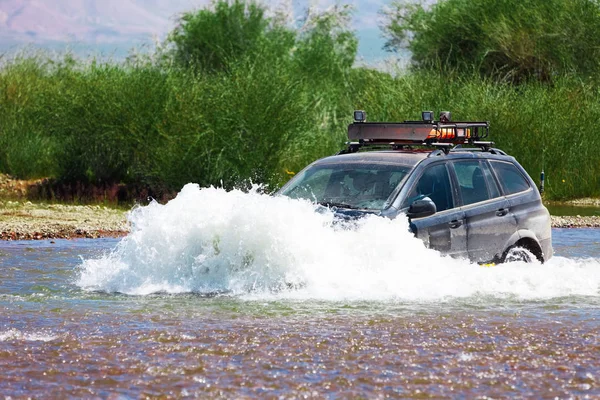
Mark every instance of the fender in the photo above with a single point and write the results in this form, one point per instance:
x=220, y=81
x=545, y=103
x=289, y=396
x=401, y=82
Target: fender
x=514, y=238
x=520, y=235
x=527, y=234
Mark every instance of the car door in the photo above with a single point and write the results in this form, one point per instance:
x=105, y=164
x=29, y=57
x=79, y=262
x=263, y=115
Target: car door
x=445, y=230
x=489, y=222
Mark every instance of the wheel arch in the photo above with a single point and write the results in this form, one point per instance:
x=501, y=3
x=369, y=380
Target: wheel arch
x=528, y=241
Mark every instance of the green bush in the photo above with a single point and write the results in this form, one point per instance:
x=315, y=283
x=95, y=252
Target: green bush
x=327, y=49
x=212, y=39
x=267, y=115
x=163, y=128
x=511, y=40
x=232, y=127
x=27, y=148
x=543, y=127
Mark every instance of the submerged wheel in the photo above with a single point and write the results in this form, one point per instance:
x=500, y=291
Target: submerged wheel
x=519, y=254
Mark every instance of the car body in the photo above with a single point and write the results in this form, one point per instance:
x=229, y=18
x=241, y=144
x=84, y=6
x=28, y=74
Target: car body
x=475, y=203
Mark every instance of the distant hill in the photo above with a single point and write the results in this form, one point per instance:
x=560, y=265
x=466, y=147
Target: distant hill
x=89, y=21
x=115, y=26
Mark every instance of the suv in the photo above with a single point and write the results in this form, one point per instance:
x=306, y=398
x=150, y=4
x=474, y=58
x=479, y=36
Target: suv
x=463, y=197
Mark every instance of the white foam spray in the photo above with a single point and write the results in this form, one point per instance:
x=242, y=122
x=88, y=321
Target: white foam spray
x=17, y=335
x=210, y=240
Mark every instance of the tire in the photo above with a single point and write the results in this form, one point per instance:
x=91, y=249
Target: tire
x=519, y=254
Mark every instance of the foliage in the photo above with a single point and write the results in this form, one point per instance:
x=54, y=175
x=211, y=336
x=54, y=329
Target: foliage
x=326, y=48
x=212, y=39
x=511, y=40
x=527, y=121
x=264, y=114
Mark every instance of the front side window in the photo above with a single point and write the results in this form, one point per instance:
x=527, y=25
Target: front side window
x=359, y=186
x=472, y=182
x=510, y=177
x=435, y=184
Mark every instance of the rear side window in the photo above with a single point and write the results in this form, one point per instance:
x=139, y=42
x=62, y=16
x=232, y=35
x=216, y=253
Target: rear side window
x=473, y=184
x=511, y=179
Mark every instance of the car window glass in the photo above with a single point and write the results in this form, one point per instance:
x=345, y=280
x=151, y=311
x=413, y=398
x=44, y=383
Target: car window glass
x=361, y=185
x=435, y=184
x=313, y=186
x=471, y=181
x=491, y=182
x=510, y=177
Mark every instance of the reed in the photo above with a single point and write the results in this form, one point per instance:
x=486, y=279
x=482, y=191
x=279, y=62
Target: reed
x=549, y=127
x=261, y=116
x=511, y=40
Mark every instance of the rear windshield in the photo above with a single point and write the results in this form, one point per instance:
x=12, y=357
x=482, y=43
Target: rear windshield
x=360, y=186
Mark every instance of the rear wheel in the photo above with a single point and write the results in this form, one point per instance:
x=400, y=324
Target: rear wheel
x=519, y=254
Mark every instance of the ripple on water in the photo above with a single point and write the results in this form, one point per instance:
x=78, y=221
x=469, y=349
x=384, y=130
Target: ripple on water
x=437, y=354
x=370, y=320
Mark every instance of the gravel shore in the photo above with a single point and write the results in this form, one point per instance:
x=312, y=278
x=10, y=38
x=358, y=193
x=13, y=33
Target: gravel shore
x=27, y=221
x=576, y=222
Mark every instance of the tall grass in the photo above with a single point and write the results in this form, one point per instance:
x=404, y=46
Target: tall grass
x=544, y=127
x=513, y=40
x=109, y=123
x=264, y=111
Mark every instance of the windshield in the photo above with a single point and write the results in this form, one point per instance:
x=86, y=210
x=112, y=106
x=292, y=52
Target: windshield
x=354, y=186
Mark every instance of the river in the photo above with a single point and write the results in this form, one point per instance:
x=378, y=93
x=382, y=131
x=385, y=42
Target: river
x=233, y=295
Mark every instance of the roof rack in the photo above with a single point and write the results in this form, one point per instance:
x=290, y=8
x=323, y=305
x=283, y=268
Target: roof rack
x=444, y=134
x=459, y=148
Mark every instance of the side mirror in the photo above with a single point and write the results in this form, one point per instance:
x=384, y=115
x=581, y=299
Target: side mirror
x=421, y=208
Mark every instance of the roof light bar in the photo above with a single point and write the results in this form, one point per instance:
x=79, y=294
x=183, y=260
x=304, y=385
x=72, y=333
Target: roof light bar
x=417, y=132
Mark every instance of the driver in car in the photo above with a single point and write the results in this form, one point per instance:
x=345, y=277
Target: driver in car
x=363, y=183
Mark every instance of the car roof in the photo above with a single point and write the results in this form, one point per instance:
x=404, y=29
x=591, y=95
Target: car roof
x=407, y=158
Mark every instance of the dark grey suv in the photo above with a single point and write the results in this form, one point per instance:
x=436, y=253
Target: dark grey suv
x=474, y=202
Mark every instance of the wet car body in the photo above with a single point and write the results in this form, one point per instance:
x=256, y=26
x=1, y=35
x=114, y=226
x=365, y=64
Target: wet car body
x=484, y=203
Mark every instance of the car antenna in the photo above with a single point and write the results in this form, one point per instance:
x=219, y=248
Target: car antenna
x=542, y=174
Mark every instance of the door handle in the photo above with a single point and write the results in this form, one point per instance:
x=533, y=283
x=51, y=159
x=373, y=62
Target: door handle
x=455, y=223
x=502, y=212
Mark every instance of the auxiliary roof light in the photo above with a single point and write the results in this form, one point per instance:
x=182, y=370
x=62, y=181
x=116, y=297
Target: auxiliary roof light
x=445, y=117
x=427, y=116
x=360, y=116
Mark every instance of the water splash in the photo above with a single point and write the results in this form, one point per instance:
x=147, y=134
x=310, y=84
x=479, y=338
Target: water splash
x=211, y=241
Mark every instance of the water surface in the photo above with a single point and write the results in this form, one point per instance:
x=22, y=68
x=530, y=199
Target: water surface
x=243, y=296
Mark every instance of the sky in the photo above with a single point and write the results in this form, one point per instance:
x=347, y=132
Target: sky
x=115, y=26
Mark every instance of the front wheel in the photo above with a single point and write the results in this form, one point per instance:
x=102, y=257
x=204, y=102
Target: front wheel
x=519, y=254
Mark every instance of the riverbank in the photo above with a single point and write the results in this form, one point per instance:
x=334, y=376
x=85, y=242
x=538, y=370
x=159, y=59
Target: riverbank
x=592, y=221
x=29, y=221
